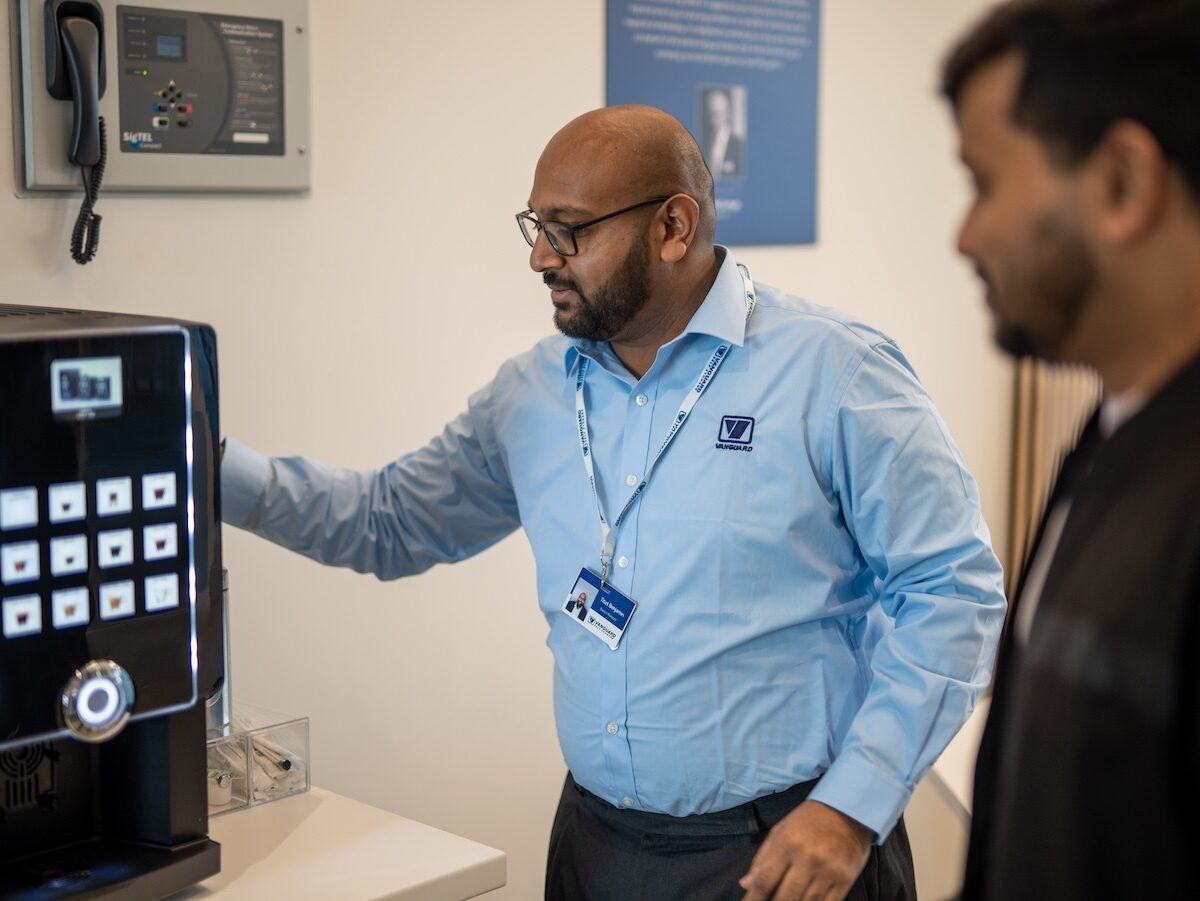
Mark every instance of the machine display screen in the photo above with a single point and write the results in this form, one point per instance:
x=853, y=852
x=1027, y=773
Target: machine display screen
x=169, y=46
x=85, y=388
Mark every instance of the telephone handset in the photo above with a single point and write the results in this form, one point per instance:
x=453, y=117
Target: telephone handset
x=75, y=71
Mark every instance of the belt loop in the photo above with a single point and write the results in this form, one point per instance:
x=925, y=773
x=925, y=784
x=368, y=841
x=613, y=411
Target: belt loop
x=758, y=824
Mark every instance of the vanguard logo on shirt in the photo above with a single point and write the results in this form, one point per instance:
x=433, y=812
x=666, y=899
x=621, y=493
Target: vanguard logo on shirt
x=736, y=433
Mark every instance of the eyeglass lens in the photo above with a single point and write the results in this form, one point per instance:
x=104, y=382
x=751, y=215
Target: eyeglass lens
x=559, y=235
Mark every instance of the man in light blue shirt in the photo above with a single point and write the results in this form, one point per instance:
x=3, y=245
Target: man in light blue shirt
x=793, y=602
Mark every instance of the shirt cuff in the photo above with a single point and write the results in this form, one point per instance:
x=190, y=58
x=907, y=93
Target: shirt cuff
x=244, y=477
x=863, y=792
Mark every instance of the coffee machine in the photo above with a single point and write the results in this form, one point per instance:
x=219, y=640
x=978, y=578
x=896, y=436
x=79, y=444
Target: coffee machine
x=112, y=632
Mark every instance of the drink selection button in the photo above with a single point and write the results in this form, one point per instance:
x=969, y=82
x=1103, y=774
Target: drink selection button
x=22, y=616
x=114, y=496
x=20, y=562
x=116, y=600
x=68, y=555
x=68, y=502
x=114, y=548
x=160, y=542
x=158, y=490
x=162, y=592
x=18, y=508
x=71, y=607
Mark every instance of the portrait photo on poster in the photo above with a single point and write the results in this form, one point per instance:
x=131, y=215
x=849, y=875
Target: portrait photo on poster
x=723, y=129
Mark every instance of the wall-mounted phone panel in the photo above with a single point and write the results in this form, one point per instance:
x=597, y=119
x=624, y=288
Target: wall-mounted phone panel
x=210, y=97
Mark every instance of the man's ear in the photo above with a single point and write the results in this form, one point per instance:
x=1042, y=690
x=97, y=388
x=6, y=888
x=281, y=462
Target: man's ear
x=680, y=217
x=1132, y=180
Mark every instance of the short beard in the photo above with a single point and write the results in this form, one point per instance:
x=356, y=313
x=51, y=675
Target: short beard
x=1061, y=275
x=615, y=303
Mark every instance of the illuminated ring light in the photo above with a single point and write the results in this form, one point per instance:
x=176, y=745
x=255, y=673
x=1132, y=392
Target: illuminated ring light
x=97, y=701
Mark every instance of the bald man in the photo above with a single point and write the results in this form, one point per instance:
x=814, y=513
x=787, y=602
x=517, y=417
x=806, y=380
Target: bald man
x=793, y=602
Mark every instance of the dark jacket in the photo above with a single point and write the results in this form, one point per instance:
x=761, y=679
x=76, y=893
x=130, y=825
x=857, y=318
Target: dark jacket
x=1086, y=784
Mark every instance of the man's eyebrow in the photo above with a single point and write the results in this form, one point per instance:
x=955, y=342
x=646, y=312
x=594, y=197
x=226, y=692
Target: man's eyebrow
x=553, y=212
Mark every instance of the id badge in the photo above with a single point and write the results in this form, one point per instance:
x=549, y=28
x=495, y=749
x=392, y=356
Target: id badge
x=604, y=612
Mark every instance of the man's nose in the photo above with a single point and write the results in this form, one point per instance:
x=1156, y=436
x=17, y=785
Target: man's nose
x=965, y=241
x=542, y=256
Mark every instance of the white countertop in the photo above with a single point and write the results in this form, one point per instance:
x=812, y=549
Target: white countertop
x=319, y=846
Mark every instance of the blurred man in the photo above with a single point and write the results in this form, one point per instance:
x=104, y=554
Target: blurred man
x=792, y=599
x=1080, y=124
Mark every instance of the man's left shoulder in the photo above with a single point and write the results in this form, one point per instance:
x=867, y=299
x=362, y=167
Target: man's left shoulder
x=786, y=316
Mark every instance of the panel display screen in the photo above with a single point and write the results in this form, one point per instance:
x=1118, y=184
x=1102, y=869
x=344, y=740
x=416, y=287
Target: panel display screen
x=86, y=388
x=169, y=46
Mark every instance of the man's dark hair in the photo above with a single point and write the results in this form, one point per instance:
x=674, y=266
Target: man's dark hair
x=1091, y=63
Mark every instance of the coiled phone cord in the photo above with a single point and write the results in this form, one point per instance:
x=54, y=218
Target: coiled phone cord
x=85, y=237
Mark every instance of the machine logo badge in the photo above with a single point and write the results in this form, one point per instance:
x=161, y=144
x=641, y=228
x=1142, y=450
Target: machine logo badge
x=138, y=139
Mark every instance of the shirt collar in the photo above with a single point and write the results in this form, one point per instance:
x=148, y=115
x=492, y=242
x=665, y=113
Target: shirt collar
x=1117, y=409
x=721, y=315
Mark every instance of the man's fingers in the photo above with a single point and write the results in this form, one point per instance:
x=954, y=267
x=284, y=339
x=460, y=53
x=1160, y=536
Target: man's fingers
x=766, y=872
x=797, y=885
x=792, y=884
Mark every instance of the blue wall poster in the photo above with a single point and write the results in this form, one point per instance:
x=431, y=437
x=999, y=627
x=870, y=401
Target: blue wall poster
x=742, y=75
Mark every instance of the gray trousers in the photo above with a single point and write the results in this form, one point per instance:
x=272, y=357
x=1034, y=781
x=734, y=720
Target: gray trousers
x=602, y=853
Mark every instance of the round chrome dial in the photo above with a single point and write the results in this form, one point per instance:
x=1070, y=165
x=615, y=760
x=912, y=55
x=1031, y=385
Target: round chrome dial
x=97, y=701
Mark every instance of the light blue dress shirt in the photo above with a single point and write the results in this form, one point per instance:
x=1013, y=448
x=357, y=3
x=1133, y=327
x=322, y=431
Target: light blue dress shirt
x=817, y=598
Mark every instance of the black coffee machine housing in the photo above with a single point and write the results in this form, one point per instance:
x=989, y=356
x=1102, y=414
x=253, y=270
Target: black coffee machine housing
x=110, y=588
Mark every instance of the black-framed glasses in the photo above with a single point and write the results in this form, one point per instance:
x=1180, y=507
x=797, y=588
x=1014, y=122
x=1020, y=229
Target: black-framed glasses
x=561, y=235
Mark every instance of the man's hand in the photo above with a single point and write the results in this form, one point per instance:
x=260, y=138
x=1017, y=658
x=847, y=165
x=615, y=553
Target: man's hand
x=815, y=852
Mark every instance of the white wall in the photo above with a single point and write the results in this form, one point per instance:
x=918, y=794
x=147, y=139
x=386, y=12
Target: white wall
x=355, y=321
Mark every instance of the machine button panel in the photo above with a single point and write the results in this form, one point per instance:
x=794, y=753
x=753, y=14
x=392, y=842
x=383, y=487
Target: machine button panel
x=49, y=545
x=97, y=452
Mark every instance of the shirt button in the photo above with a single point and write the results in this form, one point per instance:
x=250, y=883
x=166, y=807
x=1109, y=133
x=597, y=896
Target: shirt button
x=642, y=400
x=631, y=480
x=613, y=728
x=623, y=562
x=627, y=801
